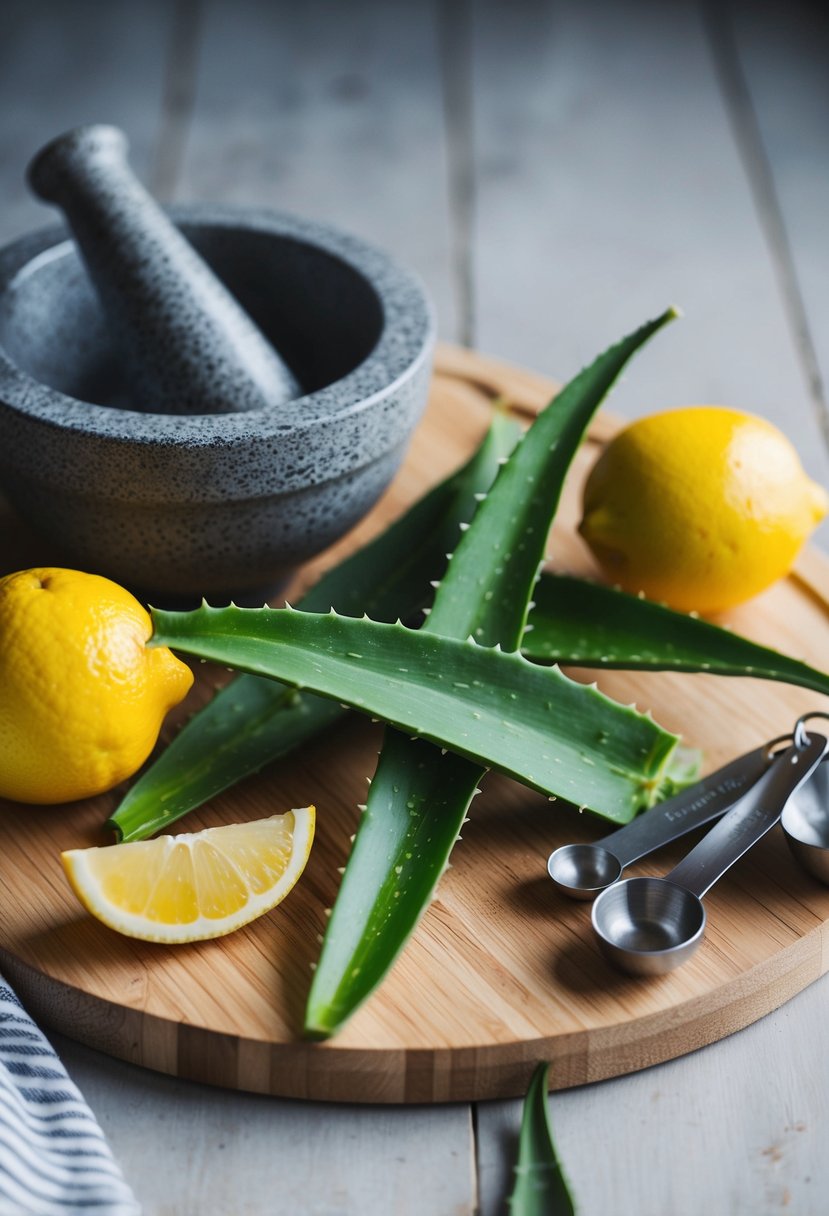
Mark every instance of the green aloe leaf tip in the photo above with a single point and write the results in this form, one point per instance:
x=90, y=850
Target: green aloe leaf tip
x=540, y=1186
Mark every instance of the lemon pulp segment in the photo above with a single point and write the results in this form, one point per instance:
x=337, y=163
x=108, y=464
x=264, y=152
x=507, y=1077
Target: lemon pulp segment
x=195, y=885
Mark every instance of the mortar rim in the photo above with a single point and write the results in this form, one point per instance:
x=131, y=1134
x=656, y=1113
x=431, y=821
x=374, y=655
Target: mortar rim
x=375, y=378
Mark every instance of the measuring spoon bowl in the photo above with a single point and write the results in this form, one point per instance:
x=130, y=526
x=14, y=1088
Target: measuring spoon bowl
x=805, y=824
x=648, y=926
x=583, y=870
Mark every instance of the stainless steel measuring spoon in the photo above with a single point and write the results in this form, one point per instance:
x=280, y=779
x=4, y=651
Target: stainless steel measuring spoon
x=583, y=870
x=805, y=825
x=648, y=926
x=805, y=820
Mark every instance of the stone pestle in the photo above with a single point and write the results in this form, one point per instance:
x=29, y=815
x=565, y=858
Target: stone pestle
x=188, y=346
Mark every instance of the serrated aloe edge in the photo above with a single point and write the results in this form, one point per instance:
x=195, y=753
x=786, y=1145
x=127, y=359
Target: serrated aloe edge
x=491, y=706
x=540, y=1187
x=418, y=798
x=254, y=720
x=584, y=624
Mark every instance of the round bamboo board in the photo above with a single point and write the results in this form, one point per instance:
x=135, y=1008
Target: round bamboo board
x=502, y=971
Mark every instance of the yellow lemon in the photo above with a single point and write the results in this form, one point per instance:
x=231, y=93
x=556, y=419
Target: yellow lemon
x=701, y=507
x=82, y=699
x=195, y=885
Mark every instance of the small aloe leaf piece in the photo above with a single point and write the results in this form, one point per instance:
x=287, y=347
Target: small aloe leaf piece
x=540, y=1187
x=587, y=624
x=418, y=798
x=496, y=708
x=254, y=721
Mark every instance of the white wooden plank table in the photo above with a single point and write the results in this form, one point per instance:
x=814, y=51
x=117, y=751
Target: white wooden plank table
x=555, y=172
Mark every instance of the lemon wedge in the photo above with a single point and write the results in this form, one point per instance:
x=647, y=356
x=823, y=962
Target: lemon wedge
x=195, y=885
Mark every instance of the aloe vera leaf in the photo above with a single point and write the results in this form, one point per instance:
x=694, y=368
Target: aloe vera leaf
x=587, y=624
x=494, y=707
x=418, y=799
x=540, y=1187
x=254, y=721
x=488, y=584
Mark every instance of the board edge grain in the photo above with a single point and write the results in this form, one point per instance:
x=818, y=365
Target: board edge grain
x=310, y=1071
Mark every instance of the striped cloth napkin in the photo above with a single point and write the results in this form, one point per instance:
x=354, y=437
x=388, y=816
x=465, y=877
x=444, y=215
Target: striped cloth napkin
x=54, y=1159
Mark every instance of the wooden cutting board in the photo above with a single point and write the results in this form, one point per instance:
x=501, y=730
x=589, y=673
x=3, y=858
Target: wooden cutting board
x=502, y=971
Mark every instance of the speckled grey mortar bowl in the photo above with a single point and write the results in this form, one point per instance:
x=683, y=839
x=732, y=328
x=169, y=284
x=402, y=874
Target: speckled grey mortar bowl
x=223, y=505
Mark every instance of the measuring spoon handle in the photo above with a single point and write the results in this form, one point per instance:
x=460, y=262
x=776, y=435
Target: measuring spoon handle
x=697, y=805
x=750, y=818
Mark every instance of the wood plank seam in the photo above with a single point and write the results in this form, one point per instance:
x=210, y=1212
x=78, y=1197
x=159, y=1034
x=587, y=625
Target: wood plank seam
x=753, y=154
x=474, y=1161
x=456, y=78
x=178, y=98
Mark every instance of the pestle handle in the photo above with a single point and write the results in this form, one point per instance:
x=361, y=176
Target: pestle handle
x=189, y=346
